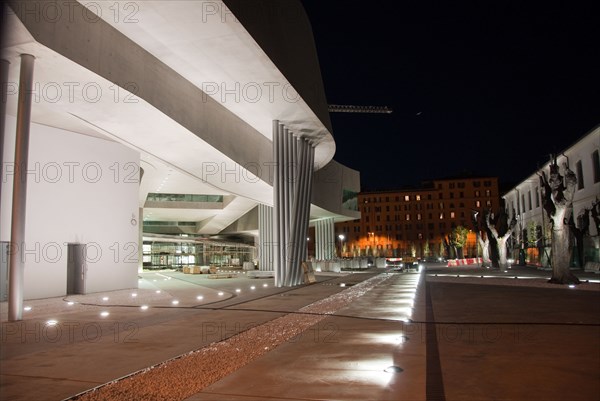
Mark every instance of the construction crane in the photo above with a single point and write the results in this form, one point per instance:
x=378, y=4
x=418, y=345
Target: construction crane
x=336, y=108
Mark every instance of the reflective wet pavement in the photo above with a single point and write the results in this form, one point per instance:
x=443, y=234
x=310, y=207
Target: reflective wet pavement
x=414, y=336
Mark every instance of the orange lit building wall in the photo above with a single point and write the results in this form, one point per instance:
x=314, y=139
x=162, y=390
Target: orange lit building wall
x=414, y=222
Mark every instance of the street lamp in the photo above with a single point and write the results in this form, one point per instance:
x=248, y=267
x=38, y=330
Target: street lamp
x=341, y=237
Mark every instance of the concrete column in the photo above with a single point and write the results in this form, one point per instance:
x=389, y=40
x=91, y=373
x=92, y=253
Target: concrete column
x=325, y=239
x=294, y=158
x=140, y=223
x=19, y=202
x=4, y=65
x=277, y=202
x=265, y=238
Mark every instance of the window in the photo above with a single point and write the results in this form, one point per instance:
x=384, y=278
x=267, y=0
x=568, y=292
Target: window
x=461, y=194
x=452, y=185
x=596, y=166
x=419, y=216
x=529, y=200
x=441, y=205
x=477, y=194
x=442, y=216
x=452, y=215
x=441, y=196
x=418, y=197
x=428, y=196
x=522, y=203
x=477, y=203
x=537, y=197
x=387, y=208
x=366, y=219
x=579, y=175
x=406, y=198
x=451, y=195
x=488, y=193
x=430, y=226
x=487, y=183
x=407, y=217
x=488, y=203
x=461, y=184
x=476, y=184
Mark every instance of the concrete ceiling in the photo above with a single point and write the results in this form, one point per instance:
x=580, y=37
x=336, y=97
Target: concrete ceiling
x=213, y=54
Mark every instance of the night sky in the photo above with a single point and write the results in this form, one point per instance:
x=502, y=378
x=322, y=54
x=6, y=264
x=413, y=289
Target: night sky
x=480, y=87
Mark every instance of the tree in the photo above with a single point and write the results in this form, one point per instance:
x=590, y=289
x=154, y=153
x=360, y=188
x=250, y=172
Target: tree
x=579, y=229
x=500, y=228
x=558, y=192
x=458, y=239
x=533, y=236
x=483, y=239
x=596, y=214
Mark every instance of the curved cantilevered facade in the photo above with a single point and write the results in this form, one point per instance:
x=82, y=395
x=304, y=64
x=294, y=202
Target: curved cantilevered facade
x=128, y=101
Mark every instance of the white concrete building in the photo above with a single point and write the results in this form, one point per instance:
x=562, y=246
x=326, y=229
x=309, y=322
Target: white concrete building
x=525, y=200
x=163, y=112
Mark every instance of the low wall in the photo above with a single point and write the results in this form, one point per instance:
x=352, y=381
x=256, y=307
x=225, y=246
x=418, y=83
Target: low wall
x=464, y=262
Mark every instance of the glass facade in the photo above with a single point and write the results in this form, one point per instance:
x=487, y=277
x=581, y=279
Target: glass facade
x=154, y=197
x=163, y=254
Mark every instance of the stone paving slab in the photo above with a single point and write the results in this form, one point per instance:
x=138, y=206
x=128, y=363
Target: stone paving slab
x=492, y=341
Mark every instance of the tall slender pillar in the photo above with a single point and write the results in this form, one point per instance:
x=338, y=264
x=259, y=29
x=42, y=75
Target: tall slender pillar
x=4, y=65
x=265, y=237
x=325, y=239
x=294, y=158
x=19, y=202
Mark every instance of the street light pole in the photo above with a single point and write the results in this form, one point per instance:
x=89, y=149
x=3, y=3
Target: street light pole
x=341, y=237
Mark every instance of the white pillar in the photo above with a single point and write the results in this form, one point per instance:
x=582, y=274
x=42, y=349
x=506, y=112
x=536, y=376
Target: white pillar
x=325, y=239
x=265, y=238
x=294, y=158
x=4, y=65
x=19, y=201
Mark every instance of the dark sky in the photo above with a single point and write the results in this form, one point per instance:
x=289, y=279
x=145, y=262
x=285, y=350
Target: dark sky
x=490, y=88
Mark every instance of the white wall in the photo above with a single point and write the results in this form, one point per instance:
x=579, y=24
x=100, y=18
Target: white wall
x=80, y=189
x=580, y=151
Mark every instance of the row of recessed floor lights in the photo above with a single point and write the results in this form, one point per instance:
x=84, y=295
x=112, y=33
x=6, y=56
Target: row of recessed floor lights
x=142, y=307
x=515, y=277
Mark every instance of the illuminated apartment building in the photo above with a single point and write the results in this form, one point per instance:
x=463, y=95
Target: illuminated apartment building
x=415, y=221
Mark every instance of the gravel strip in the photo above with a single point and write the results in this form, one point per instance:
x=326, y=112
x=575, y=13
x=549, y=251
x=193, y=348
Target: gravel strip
x=187, y=375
